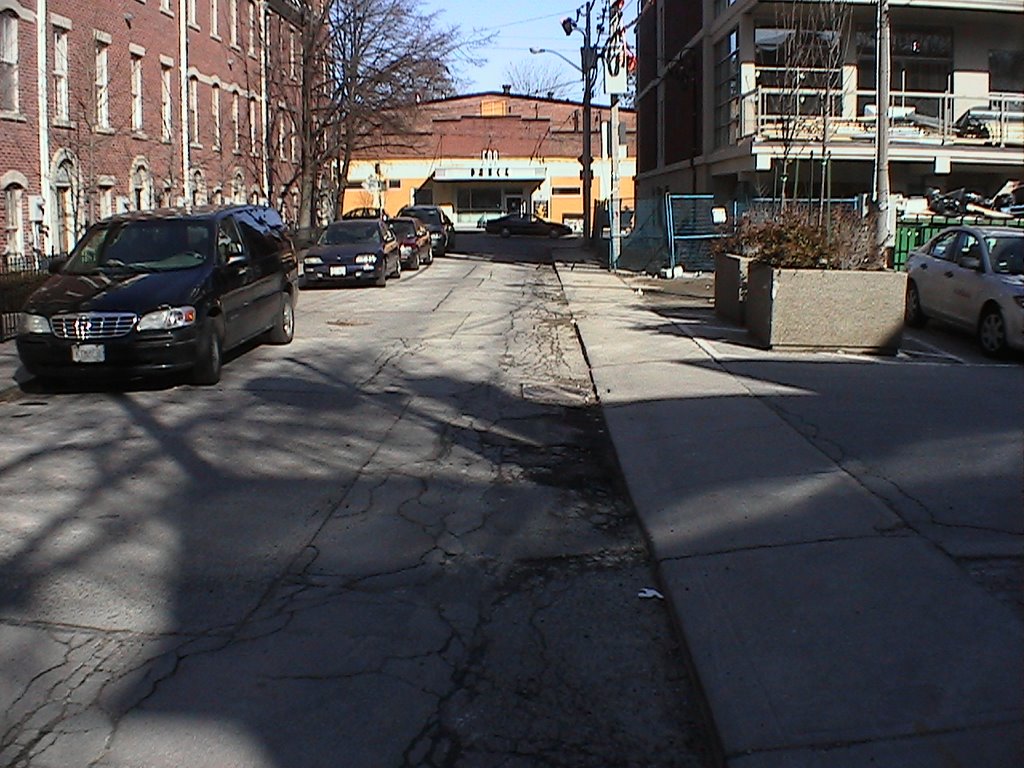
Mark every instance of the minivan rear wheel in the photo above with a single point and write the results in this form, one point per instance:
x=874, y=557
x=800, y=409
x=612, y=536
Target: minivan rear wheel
x=208, y=364
x=283, y=330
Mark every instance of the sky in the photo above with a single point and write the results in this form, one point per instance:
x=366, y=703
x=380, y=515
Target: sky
x=517, y=25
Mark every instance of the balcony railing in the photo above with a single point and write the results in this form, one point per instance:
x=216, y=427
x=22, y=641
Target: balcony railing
x=812, y=112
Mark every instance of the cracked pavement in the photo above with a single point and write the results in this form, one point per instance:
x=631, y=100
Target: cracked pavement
x=401, y=540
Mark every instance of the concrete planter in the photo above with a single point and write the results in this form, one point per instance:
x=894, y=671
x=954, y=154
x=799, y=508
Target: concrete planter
x=731, y=286
x=825, y=309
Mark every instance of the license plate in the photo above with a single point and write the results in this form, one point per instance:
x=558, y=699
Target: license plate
x=338, y=271
x=88, y=353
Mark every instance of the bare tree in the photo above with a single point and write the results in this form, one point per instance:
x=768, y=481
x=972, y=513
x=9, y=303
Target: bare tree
x=361, y=84
x=532, y=77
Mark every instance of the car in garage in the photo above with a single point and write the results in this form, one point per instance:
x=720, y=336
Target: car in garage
x=353, y=251
x=441, y=228
x=972, y=278
x=526, y=224
x=159, y=292
x=413, y=241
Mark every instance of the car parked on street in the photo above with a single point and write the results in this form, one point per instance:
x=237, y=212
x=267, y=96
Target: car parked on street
x=162, y=291
x=526, y=224
x=973, y=278
x=365, y=213
x=441, y=228
x=413, y=241
x=354, y=250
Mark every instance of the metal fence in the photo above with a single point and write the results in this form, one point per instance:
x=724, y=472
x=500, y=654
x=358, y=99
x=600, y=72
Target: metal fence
x=914, y=231
x=16, y=283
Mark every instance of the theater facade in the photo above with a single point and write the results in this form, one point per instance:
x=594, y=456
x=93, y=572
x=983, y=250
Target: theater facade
x=482, y=155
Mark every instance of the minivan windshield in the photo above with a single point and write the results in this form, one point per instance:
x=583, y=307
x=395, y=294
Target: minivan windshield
x=141, y=246
x=351, y=233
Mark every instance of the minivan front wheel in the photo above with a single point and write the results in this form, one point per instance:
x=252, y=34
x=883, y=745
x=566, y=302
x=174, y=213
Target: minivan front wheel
x=283, y=330
x=209, y=361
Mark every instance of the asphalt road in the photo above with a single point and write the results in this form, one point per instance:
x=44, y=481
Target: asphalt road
x=401, y=540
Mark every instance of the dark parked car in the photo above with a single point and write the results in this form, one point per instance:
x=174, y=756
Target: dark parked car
x=162, y=291
x=357, y=250
x=413, y=241
x=971, y=277
x=523, y=224
x=442, y=231
x=365, y=213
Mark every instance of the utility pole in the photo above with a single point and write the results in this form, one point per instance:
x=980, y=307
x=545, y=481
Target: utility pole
x=615, y=85
x=587, y=64
x=883, y=60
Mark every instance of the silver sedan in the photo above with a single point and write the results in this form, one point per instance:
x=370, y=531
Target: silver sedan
x=973, y=278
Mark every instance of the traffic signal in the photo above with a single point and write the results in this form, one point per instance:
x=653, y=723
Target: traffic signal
x=568, y=25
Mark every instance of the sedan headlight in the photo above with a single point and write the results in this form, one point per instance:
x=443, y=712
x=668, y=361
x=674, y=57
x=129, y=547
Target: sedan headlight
x=28, y=323
x=312, y=261
x=366, y=258
x=166, y=319
x=435, y=235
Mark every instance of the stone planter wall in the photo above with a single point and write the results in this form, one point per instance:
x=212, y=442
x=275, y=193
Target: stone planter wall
x=730, y=286
x=825, y=309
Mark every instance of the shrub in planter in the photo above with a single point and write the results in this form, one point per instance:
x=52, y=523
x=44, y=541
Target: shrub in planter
x=815, y=283
x=15, y=287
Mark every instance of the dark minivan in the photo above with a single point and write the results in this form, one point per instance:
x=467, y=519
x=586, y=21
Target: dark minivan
x=163, y=291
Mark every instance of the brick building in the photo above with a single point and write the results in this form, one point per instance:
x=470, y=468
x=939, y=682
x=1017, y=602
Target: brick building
x=133, y=104
x=481, y=155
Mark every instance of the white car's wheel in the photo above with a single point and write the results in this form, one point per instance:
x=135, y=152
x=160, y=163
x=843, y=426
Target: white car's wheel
x=992, y=332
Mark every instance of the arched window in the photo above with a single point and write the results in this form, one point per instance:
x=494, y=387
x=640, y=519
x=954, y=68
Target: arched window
x=142, y=187
x=238, y=188
x=65, y=183
x=198, y=188
x=14, y=227
x=8, y=62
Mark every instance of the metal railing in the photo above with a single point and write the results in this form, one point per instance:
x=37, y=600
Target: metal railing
x=812, y=112
x=18, y=278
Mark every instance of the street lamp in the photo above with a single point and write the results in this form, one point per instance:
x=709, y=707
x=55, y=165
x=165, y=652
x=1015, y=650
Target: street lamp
x=566, y=59
x=587, y=69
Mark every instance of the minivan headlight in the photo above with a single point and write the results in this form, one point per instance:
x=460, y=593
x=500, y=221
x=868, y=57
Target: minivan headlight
x=166, y=319
x=29, y=323
x=366, y=258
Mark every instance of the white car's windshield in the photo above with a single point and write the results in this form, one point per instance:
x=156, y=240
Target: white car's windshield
x=1006, y=253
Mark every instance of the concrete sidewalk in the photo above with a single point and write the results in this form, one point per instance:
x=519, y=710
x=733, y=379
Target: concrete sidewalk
x=824, y=629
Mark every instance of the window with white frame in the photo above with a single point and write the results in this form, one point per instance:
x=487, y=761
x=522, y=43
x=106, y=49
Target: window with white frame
x=280, y=136
x=215, y=114
x=106, y=201
x=166, y=102
x=102, y=85
x=193, y=109
x=291, y=53
x=235, y=127
x=190, y=9
x=214, y=20
x=61, y=100
x=165, y=6
x=136, y=64
x=294, y=140
x=14, y=226
x=8, y=62
x=233, y=9
x=252, y=27
x=253, y=146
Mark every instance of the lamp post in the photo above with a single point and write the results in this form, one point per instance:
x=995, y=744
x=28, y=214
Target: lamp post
x=586, y=68
x=883, y=234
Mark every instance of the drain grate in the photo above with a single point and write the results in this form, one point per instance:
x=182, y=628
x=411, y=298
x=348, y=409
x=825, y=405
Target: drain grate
x=558, y=394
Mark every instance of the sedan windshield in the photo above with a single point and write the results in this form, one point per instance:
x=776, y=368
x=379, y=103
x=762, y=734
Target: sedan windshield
x=351, y=233
x=141, y=246
x=403, y=228
x=1007, y=253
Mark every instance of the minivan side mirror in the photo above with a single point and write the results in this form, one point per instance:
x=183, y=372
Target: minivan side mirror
x=236, y=254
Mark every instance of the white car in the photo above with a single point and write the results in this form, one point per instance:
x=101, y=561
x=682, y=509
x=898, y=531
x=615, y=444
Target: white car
x=971, y=277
